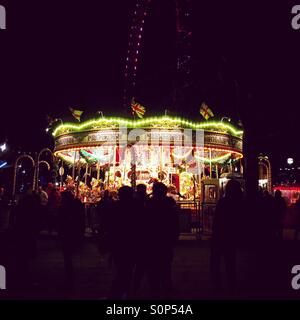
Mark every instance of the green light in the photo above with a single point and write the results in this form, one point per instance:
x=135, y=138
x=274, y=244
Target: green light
x=213, y=160
x=70, y=160
x=90, y=124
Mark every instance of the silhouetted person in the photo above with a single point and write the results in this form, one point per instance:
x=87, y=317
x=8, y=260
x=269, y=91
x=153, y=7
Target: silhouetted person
x=2, y=193
x=225, y=236
x=161, y=231
x=280, y=210
x=71, y=230
x=53, y=204
x=269, y=247
x=141, y=193
x=3, y=196
x=43, y=205
x=268, y=218
x=104, y=206
x=43, y=196
x=25, y=234
x=141, y=198
x=3, y=204
x=297, y=219
x=104, y=211
x=123, y=242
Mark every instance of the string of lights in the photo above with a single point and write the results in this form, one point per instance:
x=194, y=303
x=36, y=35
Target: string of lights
x=111, y=121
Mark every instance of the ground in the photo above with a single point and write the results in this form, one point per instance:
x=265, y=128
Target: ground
x=191, y=276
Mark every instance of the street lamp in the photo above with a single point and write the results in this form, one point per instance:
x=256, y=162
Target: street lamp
x=3, y=147
x=290, y=161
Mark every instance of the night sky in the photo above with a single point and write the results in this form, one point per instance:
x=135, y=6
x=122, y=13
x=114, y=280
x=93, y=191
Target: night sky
x=56, y=54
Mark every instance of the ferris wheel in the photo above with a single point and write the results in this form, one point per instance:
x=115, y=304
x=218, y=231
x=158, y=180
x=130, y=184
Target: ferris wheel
x=182, y=78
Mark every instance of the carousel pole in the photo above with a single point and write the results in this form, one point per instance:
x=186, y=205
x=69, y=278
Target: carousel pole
x=108, y=173
x=133, y=176
x=194, y=190
x=217, y=172
x=114, y=161
x=73, y=169
x=125, y=163
x=98, y=171
x=170, y=174
x=86, y=173
x=161, y=162
x=210, y=164
x=133, y=168
x=199, y=175
x=241, y=167
x=61, y=175
x=77, y=184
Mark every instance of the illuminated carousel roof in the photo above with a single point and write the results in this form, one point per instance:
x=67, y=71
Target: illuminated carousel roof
x=165, y=122
x=93, y=141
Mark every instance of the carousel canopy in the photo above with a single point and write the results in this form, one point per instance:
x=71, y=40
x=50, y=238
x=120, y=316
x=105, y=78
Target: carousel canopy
x=156, y=122
x=95, y=141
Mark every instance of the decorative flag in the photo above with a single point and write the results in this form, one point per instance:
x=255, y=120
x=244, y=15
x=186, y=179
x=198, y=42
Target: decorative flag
x=50, y=120
x=76, y=113
x=205, y=111
x=137, y=109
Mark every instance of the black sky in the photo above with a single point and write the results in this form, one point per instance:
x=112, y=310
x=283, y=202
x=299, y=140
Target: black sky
x=56, y=54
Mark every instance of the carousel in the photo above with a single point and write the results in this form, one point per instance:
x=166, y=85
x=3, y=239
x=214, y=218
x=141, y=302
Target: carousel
x=107, y=153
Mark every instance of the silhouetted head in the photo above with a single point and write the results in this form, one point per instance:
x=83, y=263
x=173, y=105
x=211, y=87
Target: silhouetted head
x=125, y=193
x=29, y=191
x=50, y=185
x=67, y=197
x=159, y=190
x=266, y=193
x=141, y=189
x=106, y=194
x=278, y=194
x=233, y=190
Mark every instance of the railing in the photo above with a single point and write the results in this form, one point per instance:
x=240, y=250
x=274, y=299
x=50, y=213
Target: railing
x=196, y=218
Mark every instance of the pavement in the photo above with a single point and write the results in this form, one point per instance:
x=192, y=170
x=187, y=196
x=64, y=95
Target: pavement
x=263, y=272
x=266, y=276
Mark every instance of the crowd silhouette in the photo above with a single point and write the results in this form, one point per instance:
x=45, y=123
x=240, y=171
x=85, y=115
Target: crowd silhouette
x=226, y=235
x=138, y=233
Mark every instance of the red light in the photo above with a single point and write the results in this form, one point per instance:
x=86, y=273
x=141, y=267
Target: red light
x=287, y=188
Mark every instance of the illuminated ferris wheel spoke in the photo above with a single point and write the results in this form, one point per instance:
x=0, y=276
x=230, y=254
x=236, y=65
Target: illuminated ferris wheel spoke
x=133, y=52
x=183, y=68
